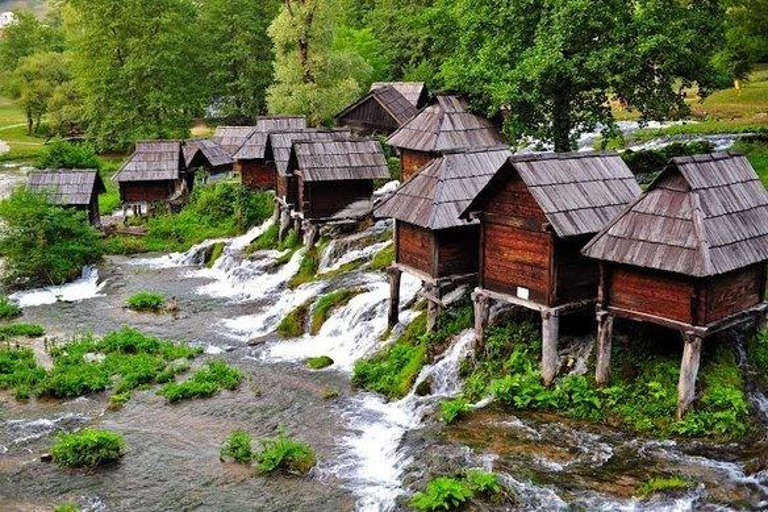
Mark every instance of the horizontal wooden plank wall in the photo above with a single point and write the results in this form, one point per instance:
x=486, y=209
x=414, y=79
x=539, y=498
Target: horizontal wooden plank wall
x=412, y=161
x=415, y=247
x=733, y=292
x=371, y=117
x=457, y=250
x=258, y=174
x=652, y=293
x=321, y=199
x=146, y=191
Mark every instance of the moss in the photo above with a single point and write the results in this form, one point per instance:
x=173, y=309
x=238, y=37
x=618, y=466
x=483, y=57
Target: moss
x=307, y=268
x=8, y=310
x=238, y=447
x=66, y=507
x=384, y=258
x=217, y=250
x=330, y=394
x=206, y=382
x=318, y=363
x=283, y=454
x=267, y=240
x=663, y=484
x=146, y=301
x=17, y=330
x=292, y=325
x=88, y=448
x=326, y=304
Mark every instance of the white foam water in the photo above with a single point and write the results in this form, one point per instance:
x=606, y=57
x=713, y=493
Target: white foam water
x=87, y=286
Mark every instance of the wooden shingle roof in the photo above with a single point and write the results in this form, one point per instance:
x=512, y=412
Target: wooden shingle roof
x=446, y=125
x=435, y=197
x=280, y=142
x=414, y=92
x=152, y=161
x=704, y=215
x=231, y=138
x=212, y=152
x=340, y=159
x=66, y=186
x=579, y=193
x=390, y=100
x=254, y=146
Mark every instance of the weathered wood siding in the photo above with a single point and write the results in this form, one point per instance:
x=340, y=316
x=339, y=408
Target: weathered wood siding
x=370, y=117
x=322, y=199
x=653, y=293
x=733, y=292
x=457, y=251
x=415, y=247
x=577, y=277
x=412, y=161
x=258, y=174
x=146, y=191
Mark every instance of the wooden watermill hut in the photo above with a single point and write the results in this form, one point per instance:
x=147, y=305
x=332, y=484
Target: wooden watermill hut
x=333, y=180
x=232, y=138
x=414, y=92
x=444, y=126
x=207, y=154
x=536, y=214
x=155, y=172
x=78, y=188
x=383, y=110
x=431, y=241
x=689, y=254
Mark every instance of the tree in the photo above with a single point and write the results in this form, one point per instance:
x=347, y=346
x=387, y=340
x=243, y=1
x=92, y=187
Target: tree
x=548, y=67
x=746, y=37
x=37, y=79
x=62, y=154
x=28, y=35
x=138, y=66
x=311, y=77
x=238, y=53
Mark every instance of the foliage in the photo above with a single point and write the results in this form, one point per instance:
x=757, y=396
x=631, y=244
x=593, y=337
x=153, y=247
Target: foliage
x=26, y=330
x=42, y=243
x=318, y=363
x=452, y=409
x=19, y=371
x=62, y=154
x=206, y=382
x=310, y=262
x=37, y=80
x=758, y=356
x=757, y=153
x=383, y=258
x=88, y=448
x=146, y=301
x=66, y=507
x=27, y=36
x=283, y=454
x=651, y=161
x=659, y=484
x=238, y=447
x=482, y=482
x=8, y=310
x=326, y=304
x=292, y=325
x=266, y=240
x=217, y=250
x=442, y=493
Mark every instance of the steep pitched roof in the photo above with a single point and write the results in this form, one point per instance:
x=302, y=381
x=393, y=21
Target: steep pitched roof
x=340, y=159
x=578, y=192
x=231, y=138
x=435, y=197
x=704, y=215
x=280, y=142
x=414, y=92
x=390, y=100
x=444, y=126
x=213, y=153
x=153, y=160
x=66, y=186
x=254, y=146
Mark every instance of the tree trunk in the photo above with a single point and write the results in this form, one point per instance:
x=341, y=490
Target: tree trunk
x=562, y=124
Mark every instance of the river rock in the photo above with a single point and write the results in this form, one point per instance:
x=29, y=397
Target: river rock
x=46, y=457
x=425, y=387
x=94, y=357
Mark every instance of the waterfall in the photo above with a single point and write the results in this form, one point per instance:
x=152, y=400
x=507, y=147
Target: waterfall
x=87, y=286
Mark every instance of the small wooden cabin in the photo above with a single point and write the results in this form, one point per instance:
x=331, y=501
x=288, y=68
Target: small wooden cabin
x=444, y=126
x=689, y=254
x=536, y=215
x=431, y=241
x=383, y=110
x=207, y=154
x=155, y=172
x=414, y=92
x=78, y=188
x=232, y=138
x=333, y=179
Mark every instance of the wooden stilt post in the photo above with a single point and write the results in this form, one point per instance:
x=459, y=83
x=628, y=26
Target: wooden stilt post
x=689, y=369
x=604, y=345
x=394, y=295
x=482, y=315
x=310, y=234
x=433, y=307
x=550, y=362
x=285, y=222
x=276, y=213
x=297, y=226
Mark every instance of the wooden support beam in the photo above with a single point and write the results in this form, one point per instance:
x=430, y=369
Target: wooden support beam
x=310, y=233
x=276, y=213
x=394, y=295
x=433, y=309
x=689, y=369
x=604, y=345
x=297, y=225
x=482, y=315
x=550, y=362
x=285, y=222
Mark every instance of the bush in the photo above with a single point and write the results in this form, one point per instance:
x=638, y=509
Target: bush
x=44, y=244
x=26, y=330
x=282, y=454
x=206, y=382
x=326, y=305
x=318, y=363
x=19, y=370
x=442, y=494
x=659, y=484
x=62, y=154
x=8, y=310
x=238, y=447
x=452, y=410
x=146, y=301
x=482, y=482
x=292, y=325
x=88, y=448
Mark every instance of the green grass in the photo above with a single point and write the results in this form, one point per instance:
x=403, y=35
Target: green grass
x=8, y=310
x=207, y=381
x=21, y=330
x=757, y=153
x=217, y=250
x=384, y=258
x=285, y=455
x=318, y=363
x=266, y=240
x=19, y=371
x=292, y=325
x=88, y=448
x=453, y=409
x=13, y=130
x=66, y=507
x=307, y=272
x=110, y=200
x=238, y=447
x=328, y=303
x=663, y=484
x=146, y=301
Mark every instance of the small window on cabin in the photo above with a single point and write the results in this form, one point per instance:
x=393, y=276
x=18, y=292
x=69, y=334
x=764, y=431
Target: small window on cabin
x=523, y=293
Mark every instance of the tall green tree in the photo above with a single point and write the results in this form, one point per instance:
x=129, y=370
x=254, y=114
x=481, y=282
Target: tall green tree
x=746, y=36
x=312, y=77
x=28, y=35
x=548, y=67
x=36, y=80
x=238, y=53
x=139, y=67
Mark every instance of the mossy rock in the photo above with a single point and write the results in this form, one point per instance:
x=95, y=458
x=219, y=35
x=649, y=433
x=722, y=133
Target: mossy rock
x=318, y=363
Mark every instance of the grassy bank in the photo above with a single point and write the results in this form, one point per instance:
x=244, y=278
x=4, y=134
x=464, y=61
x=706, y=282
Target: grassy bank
x=13, y=131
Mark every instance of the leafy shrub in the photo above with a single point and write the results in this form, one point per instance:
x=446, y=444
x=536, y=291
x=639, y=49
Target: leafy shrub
x=26, y=330
x=88, y=448
x=8, y=310
x=660, y=484
x=292, y=325
x=451, y=410
x=326, y=304
x=66, y=381
x=19, y=370
x=318, y=363
x=206, y=382
x=442, y=493
x=238, y=447
x=286, y=455
x=146, y=301
x=42, y=243
x=482, y=482
x=62, y=154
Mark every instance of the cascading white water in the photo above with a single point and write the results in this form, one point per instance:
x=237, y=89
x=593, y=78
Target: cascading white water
x=87, y=286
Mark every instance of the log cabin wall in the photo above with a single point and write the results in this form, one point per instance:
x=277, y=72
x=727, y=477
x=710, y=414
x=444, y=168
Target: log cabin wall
x=411, y=161
x=577, y=277
x=370, y=117
x=147, y=191
x=659, y=294
x=258, y=174
x=516, y=250
x=727, y=294
x=414, y=247
x=457, y=251
x=322, y=199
